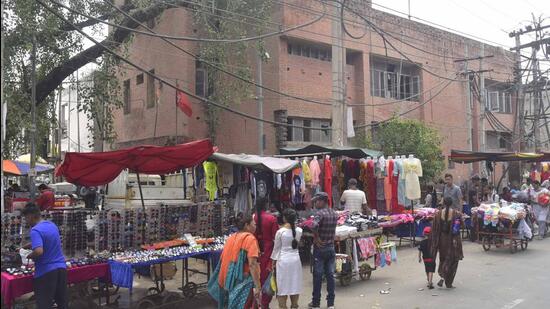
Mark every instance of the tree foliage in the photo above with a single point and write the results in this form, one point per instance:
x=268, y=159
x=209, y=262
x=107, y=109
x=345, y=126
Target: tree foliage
x=403, y=137
x=60, y=53
x=221, y=19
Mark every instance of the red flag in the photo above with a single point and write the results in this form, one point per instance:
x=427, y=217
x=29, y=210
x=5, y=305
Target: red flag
x=182, y=101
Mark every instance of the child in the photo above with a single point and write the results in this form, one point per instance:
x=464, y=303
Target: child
x=424, y=254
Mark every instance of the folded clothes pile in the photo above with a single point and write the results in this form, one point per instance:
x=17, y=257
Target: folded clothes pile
x=362, y=222
x=394, y=220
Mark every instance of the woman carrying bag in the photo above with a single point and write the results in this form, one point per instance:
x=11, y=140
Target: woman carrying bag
x=235, y=284
x=286, y=261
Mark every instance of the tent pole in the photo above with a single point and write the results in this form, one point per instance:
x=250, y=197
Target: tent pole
x=142, y=207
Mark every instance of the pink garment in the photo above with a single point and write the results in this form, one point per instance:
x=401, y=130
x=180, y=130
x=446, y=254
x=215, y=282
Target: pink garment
x=388, y=184
x=367, y=247
x=342, y=217
x=387, y=255
x=315, y=171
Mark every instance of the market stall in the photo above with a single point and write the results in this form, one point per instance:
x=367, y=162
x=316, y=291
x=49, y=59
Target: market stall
x=502, y=225
x=16, y=284
x=125, y=230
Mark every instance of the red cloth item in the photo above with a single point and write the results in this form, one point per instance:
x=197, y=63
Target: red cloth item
x=46, y=200
x=14, y=287
x=328, y=179
x=427, y=230
x=183, y=103
x=371, y=184
x=99, y=168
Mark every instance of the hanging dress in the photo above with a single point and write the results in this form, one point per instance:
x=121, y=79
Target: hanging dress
x=211, y=175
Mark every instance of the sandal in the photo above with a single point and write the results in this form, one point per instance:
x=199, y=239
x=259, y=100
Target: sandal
x=440, y=283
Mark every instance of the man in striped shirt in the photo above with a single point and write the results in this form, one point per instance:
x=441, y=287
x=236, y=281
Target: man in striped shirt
x=324, y=230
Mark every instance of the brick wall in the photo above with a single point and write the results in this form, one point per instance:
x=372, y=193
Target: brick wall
x=311, y=78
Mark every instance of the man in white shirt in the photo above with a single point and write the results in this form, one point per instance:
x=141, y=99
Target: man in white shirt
x=353, y=199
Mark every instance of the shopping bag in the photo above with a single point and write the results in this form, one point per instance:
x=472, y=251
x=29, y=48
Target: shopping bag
x=270, y=285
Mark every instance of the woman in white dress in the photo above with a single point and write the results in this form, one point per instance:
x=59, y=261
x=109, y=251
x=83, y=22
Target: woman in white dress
x=286, y=261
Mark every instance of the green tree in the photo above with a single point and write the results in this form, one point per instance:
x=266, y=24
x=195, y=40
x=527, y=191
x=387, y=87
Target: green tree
x=221, y=19
x=403, y=137
x=61, y=52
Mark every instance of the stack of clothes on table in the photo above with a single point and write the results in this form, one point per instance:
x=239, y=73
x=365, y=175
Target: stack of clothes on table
x=394, y=220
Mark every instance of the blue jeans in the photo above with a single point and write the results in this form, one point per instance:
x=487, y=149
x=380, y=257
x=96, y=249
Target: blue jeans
x=323, y=264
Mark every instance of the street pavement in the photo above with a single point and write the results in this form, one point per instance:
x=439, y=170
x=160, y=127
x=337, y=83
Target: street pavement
x=494, y=279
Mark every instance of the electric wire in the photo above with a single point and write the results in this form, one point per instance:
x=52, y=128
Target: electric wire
x=191, y=39
x=170, y=84
x=407, y=99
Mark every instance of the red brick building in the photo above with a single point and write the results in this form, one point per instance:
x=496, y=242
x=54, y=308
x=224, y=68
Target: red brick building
x=300, y=65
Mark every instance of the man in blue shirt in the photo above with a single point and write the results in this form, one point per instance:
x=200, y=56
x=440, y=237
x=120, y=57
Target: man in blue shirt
x=50, y=274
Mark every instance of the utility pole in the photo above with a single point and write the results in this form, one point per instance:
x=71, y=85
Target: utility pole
x=520, y=97
x=260, y=98
x=537, y=103
x=338, y=78
x=32, y=171
x=535, y=92
x=482, y=106
x=77, y=111
x=469, y=111
x=469, y=106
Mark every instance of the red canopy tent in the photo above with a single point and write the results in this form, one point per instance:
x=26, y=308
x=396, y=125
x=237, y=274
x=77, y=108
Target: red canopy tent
x=99, y=168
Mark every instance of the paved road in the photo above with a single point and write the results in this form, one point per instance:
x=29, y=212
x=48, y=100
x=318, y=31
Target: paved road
x=494, y=279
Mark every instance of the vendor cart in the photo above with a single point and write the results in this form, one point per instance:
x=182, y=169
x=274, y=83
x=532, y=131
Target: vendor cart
x=349, y=270
x=503, y=235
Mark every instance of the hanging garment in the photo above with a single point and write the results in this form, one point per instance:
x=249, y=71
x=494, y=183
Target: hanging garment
x=395, y=208
x=296, y=190
x=363, y=175
x=371, y=184
x=355, y=257
x=412, y=171
x=381, y=166
x=328, y=179
x=402, y=199
x=315, y=171
x=380, y=196
x=339, y=174
x=243, y=200
x=387, y=184
x=382, y=258
x=307, y=173
x=211, y=174
x=394, y=254
x=264, y=184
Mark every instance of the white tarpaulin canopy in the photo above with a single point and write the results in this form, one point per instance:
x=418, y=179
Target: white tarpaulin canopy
x=276, y=165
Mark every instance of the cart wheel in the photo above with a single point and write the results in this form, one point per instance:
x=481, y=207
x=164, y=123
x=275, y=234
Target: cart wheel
x=146, y=303
x=345, y=279
x=189, y=290
x=486, y=243
x=365, y=275
x=171, y=301
x=152, y=291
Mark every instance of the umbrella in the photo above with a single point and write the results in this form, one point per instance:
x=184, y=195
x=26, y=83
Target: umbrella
x=26, y=158
x=19, y=168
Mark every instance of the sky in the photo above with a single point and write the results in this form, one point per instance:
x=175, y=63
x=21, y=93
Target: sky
x=488, y=19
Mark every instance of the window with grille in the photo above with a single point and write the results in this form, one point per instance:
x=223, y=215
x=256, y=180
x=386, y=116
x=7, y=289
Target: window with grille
x=310, y=50
x=309, y=135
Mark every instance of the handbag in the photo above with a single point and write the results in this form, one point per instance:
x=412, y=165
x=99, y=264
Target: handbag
x=214, y=288
x=270, y=285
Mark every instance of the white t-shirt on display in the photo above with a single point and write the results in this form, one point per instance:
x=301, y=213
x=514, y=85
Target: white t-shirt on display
x=353, y=200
